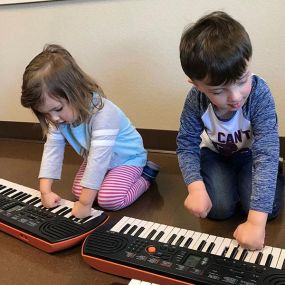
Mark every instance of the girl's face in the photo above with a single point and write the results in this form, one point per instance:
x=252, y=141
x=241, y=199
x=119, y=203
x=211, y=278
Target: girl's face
x=230, y=97
x=58, y=111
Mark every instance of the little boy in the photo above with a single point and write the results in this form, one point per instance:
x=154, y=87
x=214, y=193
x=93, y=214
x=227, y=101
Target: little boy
x=228, y=144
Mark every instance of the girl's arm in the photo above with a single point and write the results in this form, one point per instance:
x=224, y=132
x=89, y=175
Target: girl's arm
x=49, y=199
x=82, y=208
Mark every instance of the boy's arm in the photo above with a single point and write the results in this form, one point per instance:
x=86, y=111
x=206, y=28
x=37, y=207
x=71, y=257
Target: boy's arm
x=265, y=153
x=188, y=139
x=251, y=234
x=265, y=148
x=198, y=201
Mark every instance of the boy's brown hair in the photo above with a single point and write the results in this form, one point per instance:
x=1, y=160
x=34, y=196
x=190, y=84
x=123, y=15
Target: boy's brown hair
x=216, y=49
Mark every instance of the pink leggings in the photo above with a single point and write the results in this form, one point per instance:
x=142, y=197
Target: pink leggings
x=120, y=188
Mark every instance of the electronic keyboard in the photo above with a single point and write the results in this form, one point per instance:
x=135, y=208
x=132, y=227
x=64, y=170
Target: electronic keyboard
x=23, y=216
x=169, y=255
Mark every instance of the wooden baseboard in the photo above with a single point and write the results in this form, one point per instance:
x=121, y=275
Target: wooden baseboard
x=163, y=140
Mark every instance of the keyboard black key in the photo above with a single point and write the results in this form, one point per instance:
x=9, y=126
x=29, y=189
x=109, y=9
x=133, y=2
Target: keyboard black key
x=84, y=219
x=158, y=237
x=259, y=257
x=225, y=251
x=201, y=245
x=171, y=239
x=61, y=210
x=188, y=242
x=180, y=240
x=32, y=200
x=243, y=255
x=125, y=228
x=132, y=229
x=269, y=260
x=68, y=211
x=139, y=231
x=36, y=201
x=234, y=252
x=151, y=234
x=210, y=247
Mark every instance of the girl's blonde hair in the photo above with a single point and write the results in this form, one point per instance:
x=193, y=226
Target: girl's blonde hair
x=55, y=73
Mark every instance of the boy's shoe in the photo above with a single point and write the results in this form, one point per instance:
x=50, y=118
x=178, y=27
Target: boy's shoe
x=150, y=171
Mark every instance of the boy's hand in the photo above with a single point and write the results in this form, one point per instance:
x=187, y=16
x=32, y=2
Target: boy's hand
x=81, y=211
x=198, y=201
x=251, y=234
x=50, y=199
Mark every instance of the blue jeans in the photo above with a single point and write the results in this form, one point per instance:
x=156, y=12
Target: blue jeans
x=228, y=183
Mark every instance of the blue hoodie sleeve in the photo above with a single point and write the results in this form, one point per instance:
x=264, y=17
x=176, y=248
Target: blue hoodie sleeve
x=188, y=138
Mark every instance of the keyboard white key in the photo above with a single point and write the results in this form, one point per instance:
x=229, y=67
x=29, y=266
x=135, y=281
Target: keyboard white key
x=254, y=256
x=210, y=240
x=239, y=253
x=281, y=260
x=167, y=234
x=218, y=243
x=171, y=235
x=224, y=244
x=233, y=246
x=180, y=236
x=118, y=226
x=160, y=229
x=188, y=236
x=139, y=282
x=203, y=237
x=149, y=226
x=249, y=255
x=141, y=226
x=265, y=253
x=276, y=253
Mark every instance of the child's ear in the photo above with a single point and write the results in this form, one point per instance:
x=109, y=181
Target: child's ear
x=190, y=81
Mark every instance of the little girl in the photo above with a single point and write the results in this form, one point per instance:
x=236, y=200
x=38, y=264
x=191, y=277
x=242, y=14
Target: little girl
x=71, y=106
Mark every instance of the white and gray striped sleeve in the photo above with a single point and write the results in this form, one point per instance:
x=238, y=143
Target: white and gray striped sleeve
x=99, y=157
x=53, y=154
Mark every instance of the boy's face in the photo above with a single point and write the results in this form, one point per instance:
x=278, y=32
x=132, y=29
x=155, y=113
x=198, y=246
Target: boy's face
x=57, y=111
x=230, y=97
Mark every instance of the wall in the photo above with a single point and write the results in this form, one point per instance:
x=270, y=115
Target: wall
x=131, y=48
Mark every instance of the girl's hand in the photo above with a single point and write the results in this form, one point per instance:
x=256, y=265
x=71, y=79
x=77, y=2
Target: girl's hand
x=50, y=199
x=81, y=211
x=198, y=201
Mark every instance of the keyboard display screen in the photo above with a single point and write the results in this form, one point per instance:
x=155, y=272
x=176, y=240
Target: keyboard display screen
x=15, y=208
x=192, y=260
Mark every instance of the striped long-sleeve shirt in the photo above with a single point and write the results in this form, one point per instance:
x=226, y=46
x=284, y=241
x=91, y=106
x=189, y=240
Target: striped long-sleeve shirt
x=254, y=126
x=107, y=141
